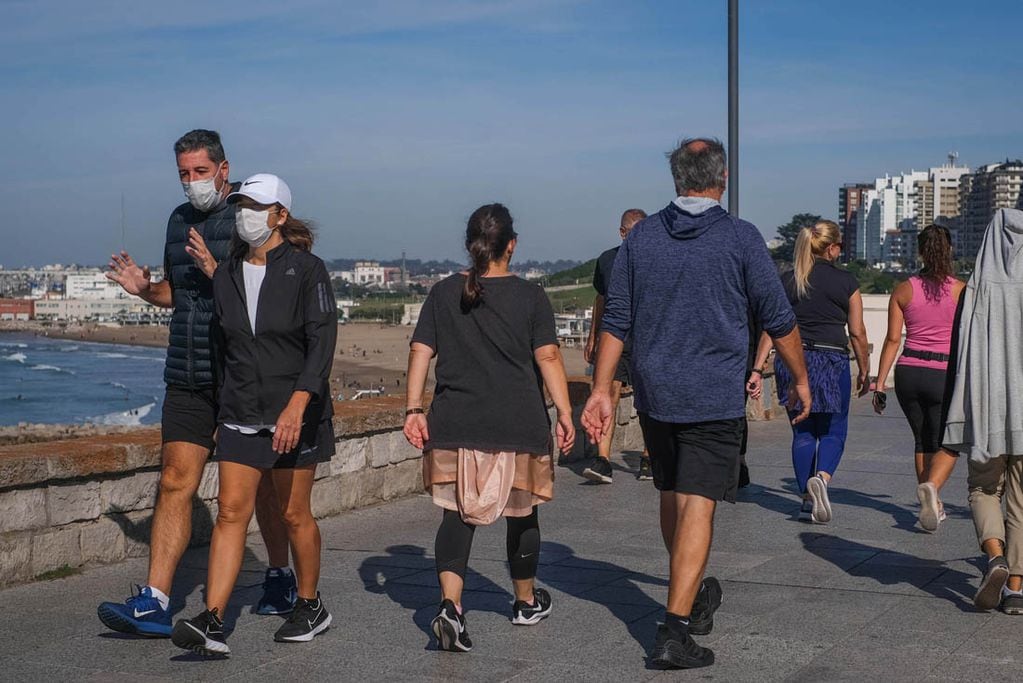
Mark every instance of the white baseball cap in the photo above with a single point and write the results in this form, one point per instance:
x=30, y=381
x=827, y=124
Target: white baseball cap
x=265, y=188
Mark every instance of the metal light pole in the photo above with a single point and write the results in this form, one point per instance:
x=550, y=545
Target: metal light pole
x=733, y=107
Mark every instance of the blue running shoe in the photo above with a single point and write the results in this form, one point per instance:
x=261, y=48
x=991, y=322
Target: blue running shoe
x=140, y=615
x=279, y=593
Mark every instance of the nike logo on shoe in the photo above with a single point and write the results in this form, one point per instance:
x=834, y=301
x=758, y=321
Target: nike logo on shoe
x=139, y=615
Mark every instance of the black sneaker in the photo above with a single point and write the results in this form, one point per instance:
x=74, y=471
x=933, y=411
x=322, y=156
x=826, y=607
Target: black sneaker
x=743, y=475
x=674, y=648
x=806, y=511
x=990, y=592
x=1012, y=604
x=524, y=614
x=279, y=592
x=600, y=471
x=645, y=473
x=707, y=602
x=449, y=627
x=203, y=634
x=309, y=619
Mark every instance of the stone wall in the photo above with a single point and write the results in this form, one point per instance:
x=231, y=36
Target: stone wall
x=89, y=500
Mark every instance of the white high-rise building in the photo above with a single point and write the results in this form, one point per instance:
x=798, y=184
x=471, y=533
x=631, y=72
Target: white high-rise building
x=92, y=287
x=891, y=206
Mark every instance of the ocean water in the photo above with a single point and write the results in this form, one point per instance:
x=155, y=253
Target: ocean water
x=52, y=381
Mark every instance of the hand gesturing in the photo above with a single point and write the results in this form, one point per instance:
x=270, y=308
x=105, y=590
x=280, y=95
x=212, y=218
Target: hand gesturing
x=125, y=272
x=196, y=248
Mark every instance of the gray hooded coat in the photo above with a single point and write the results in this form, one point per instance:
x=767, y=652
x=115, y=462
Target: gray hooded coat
x=985, y=416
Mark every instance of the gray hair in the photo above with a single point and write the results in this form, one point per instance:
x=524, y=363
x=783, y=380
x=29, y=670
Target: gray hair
x=197, y=139
x=698, y=164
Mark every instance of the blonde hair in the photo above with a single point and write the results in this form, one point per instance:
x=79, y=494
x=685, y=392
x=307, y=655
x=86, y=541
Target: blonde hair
x=811, y=243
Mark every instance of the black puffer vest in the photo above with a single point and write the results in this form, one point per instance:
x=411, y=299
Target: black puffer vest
x=189, y=353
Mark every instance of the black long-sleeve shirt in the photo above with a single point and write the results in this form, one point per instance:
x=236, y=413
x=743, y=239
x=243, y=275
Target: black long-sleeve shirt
x=292, y=347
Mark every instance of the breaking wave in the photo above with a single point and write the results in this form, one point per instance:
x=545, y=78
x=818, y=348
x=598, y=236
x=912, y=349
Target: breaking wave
x=127, y=418
x=52, y=368
x=16, y=357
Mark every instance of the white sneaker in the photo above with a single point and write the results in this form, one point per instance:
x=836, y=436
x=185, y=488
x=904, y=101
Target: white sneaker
x=930, y=507
x=818, y=490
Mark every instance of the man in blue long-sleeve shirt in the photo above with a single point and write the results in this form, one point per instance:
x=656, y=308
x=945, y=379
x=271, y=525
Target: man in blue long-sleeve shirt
x=683, y=286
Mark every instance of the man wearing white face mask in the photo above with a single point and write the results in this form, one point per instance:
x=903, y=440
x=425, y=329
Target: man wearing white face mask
x=199, y=235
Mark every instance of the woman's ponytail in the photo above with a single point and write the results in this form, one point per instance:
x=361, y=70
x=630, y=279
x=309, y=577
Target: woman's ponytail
x=811, y=243
x=487, y=236
x=802, y=261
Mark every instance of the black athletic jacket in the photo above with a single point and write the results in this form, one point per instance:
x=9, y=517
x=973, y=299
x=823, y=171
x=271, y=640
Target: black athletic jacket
x=292, y=348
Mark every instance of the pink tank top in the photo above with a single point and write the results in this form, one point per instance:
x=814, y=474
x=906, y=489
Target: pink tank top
x=929, y=317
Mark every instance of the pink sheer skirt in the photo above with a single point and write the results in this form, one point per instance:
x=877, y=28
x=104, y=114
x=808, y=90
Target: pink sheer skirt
x=484, y=485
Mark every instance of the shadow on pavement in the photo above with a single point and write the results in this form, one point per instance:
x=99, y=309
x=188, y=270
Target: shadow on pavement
x=890, y=567
x=622, y=596
x=618, y=589
x=389, y=575
x=786, y=501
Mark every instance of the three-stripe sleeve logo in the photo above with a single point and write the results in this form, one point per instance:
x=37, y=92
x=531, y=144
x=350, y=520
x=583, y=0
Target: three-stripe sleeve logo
x=323, y=296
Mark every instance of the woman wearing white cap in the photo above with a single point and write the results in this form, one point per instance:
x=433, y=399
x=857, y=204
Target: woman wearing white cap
x=277, y=330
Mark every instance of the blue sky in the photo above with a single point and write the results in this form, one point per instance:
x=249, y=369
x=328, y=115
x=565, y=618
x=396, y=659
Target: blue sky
x=392, y=121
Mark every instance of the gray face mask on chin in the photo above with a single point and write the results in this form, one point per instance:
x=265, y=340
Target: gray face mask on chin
x=203, y=194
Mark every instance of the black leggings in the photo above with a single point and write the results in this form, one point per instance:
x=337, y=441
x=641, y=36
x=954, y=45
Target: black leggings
x=454, y=541
x=920, y=391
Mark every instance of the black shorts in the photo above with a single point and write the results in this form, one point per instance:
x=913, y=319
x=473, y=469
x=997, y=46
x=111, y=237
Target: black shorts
x=189, y=415
x=315, y=444
x=920, y=392
x=699, y=458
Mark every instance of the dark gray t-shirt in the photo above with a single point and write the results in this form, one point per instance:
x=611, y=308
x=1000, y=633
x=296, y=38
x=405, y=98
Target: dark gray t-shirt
x=489, y=393
x=823, y=314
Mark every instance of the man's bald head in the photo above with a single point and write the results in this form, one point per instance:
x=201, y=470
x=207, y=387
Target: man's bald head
x=699, y=166
x=629, y=220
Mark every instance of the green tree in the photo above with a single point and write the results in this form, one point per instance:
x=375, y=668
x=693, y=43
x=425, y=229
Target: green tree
x=788, y=233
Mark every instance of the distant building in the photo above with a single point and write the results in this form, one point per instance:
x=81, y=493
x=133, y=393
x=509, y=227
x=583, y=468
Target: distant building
x=573, y=328
x=849, y=200
x=17, y=309
x=131, y=310
x=92, y=286
x=981, y=194
x=898, y=250
x=890, y=214
x=369, y=274
x=345, y=306
x=411, y=316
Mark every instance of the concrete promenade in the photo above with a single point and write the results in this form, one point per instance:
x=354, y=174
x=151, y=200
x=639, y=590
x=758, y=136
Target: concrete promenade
x=869, y=597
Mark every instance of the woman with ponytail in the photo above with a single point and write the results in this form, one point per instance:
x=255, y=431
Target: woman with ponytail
x=926, y=305
x=827, y=302
x=487, y=444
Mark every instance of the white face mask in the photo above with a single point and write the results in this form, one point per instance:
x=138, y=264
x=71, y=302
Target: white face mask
x=203, y=194
x=251, y=226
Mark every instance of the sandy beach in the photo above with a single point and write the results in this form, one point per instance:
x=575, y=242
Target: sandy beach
x=368, y=355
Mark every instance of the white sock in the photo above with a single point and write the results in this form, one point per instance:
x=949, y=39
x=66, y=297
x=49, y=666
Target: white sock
x=162, y=597
x=1006, y=591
